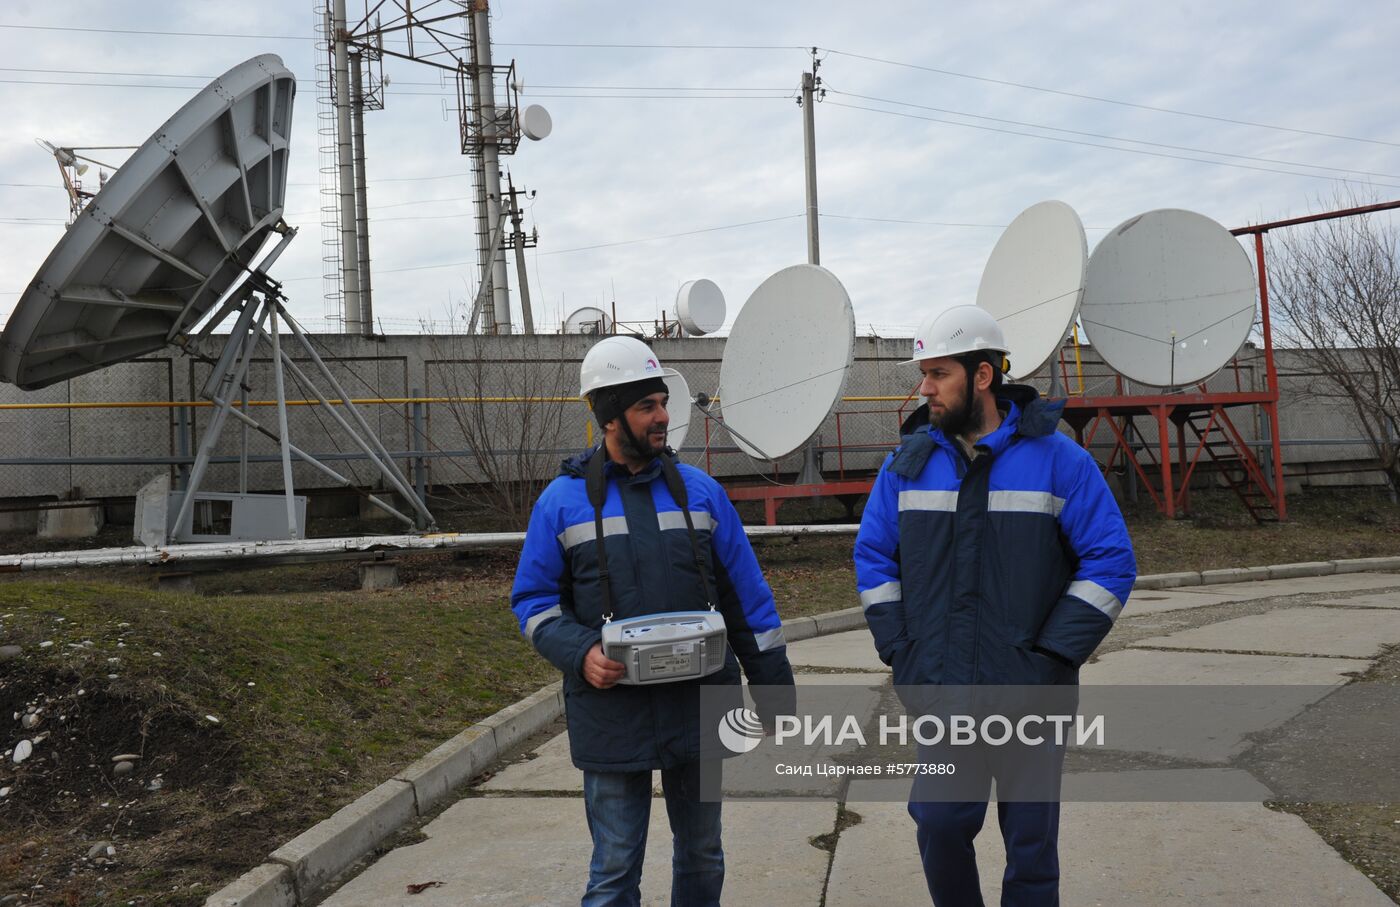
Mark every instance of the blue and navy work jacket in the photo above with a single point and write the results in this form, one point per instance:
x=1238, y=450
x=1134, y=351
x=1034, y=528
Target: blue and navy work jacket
x=966, y=568
x=558, y=601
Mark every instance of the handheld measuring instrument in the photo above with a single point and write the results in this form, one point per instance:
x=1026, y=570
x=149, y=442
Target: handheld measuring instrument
x=661, y=648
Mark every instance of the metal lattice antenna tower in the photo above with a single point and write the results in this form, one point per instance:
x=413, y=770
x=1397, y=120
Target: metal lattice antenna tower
x=453, y=35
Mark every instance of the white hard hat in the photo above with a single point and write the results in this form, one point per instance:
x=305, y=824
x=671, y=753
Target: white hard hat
x=956, y=330
x=619, y=360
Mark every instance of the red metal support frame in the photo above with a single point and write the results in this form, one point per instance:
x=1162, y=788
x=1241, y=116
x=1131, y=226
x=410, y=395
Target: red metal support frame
x=1164, y=443
x=1271, y=372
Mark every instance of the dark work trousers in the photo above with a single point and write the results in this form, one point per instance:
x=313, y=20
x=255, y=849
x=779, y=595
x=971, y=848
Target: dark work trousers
x=949, y=814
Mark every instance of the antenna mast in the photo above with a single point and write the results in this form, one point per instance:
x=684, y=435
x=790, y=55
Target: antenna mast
x=488, y=124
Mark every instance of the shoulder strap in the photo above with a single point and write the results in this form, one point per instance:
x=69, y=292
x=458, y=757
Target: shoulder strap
x=676, y=485
x=595, y=482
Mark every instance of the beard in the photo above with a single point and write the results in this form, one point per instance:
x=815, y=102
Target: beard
x=959, y=418
x=640, y=448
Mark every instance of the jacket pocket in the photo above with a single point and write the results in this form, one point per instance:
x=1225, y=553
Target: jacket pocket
x=1042, y=669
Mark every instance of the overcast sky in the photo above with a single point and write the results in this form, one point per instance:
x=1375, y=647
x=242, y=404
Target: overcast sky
x=671, y=161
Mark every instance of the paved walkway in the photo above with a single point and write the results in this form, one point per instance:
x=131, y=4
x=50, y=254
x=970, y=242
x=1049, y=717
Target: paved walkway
x=520, y=838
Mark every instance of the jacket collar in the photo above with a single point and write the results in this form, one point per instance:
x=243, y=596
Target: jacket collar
x=1028, y=416
x=577, y=465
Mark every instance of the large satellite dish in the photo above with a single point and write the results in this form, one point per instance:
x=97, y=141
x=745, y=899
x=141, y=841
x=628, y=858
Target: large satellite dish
x=177, y=229
x=1169, y=298
x=700, y=306
x=1034, y=281
x=786, y=360
x=588, y=320
x=166, y=236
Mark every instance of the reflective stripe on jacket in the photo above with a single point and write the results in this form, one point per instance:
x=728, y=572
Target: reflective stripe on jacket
x=966, y=568
x=558, y=602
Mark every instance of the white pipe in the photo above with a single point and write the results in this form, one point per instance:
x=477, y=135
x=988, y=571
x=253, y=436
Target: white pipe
x=222, y=551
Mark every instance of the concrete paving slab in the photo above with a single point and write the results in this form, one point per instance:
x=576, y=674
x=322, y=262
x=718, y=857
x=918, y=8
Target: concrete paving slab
x=1389, y=599
x=1120, y=853
x=1245, y=694
x=1191, y=853
x=877, y=861
x=1344, y=632
x=851, y=651
x=549, y=770
x=1157, y=601
x=1190, y=785
x=516, y=851
x=1141, y=666
x=1337, y=582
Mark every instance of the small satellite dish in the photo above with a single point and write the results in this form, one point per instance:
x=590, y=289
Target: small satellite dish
x=535, y=122
x=700, y=306
x=588, y=320
x=1169, y=298
x=1034, y=281
x=678, y=409
x=166, y=236
x=786, y=360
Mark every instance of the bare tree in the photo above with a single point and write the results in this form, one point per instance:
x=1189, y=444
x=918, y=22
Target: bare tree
x=509, y=400
x=1335, y=286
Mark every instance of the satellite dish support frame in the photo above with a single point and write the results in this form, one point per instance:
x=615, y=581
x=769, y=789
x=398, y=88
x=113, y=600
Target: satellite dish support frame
x=260, y=302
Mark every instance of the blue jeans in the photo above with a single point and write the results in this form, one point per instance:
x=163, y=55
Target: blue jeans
x=618, y=806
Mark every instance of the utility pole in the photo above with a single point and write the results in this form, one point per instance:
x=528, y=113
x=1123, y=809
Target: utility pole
x=520, y=242
x=811, y=91
x=811, y=473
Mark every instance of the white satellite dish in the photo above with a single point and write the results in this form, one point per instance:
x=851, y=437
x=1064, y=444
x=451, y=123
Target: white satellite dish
x=678, y=409
x=1169, y=298
x=535, y=122
x=588, y=320
x=786, y=360
x=166, y=236
x=1034, y=281
x=700, y=306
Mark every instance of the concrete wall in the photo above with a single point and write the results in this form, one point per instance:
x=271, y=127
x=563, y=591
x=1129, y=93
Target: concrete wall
x=510, y=367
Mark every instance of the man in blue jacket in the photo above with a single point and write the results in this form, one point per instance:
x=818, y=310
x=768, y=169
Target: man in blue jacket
x=990, y=552
x=660, y=557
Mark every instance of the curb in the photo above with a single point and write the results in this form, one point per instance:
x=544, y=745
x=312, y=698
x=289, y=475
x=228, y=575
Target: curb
x=297, y=871
x=1277, y=571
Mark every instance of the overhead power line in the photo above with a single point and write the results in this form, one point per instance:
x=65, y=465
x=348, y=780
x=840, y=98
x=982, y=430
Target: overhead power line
x=622, y=242
x=1103, y=100
x=1112, y=138
x=1068, y=141
x=765, y=47
x=153, y=32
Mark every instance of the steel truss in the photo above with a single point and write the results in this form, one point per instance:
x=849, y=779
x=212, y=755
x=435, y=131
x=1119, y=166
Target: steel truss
x=261, y=315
